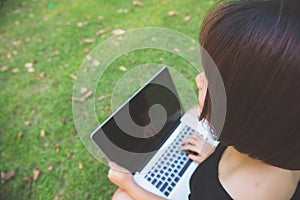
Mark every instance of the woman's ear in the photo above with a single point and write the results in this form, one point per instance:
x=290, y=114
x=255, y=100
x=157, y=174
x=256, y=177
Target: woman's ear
x=202, y=85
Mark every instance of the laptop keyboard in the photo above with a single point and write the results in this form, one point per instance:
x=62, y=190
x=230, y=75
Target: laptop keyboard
x=172, y=164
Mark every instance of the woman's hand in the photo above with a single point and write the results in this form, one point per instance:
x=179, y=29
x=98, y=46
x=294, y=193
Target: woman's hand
x=202, y=85
x=120, y=176
x=198, y=149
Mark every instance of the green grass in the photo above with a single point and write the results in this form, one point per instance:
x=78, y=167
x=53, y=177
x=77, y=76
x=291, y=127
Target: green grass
x=32, y=31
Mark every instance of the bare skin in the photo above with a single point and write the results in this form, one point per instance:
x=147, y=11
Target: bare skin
x=241, y=176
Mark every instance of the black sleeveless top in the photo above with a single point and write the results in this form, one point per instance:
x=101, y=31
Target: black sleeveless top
x=205, y=184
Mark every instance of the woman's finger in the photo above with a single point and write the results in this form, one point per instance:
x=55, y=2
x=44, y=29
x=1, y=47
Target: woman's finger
x=193, y=139
x=115, y=166
x=192, y=148
x=196, y=158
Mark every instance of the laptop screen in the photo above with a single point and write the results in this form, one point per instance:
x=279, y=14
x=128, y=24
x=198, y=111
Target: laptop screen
x=132, y=135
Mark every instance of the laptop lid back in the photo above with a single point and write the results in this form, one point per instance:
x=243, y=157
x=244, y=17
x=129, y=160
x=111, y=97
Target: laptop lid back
x=133, y=133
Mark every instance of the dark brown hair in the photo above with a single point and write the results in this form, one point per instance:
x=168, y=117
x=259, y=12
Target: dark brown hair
x=256, y=47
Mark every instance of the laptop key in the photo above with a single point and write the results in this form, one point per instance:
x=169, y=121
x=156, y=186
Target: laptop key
x=163, y=187
x=154, y=181
x=184, y=168
x=158, y=184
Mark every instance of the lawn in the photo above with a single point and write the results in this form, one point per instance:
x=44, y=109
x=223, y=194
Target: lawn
x=43, y=44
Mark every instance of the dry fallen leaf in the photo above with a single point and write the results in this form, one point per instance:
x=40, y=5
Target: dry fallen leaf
x=73, y=76
x=42, y=75
x=27, y=123
x=102, y=97
x=28, y=179
x=56, y=197
x=57, y=147
x=187, y=18
x=83, y=90
x=55, y=52
x=138, y=3
x=86, y=50
x=31, y=70
x=80, y=165
x=172, y=13
x=80, y=24
x=122, y=10
x=122, y=68
x=15, y=70
x=4, y=68
x=9, y=56
x=87, y=95
x=63, y=121
x=100, y=17
x=43, y=134
x=89, y=40
x=5, y=176
x=3, y=154
x=36, y=174
x=118, y=32
x=176, y=50
x=29, y=65
x=50, y=168
x=96, y=63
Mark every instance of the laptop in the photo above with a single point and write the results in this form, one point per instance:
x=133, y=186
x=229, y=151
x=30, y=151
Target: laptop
x=144, y=136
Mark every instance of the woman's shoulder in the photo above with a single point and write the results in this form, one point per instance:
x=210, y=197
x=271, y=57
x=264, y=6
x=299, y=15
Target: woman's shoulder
x=254, y=180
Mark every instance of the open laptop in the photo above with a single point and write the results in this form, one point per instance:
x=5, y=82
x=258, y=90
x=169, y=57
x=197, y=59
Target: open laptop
x=144, y=136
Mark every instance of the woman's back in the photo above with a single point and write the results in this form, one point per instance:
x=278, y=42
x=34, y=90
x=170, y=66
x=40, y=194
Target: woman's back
x=227, y=174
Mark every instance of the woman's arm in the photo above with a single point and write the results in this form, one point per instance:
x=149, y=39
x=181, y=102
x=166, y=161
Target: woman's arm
x=124, y=180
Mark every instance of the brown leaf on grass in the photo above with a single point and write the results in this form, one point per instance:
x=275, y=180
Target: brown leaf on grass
x=86, y=50
x=172, y=13
x=187, y=18
x=5, y=176
x=27, y=123
x=63, y=121
x=4, y=68
x=31, y=70
x=96, y=63
x=28, y=65
x=36, y=174
x=28, y=179
x=80, y=165
x=100, y=17
x=50, y=168
x=57, y=147
x=89, y=40
x=9, y=56
x=43, y=134
x=33, y=112
x=56, y=197
x=177, y=50
x=15, y=70
x=73, y=76
x=42, y=75
x=83, y=99
x=102, y=97
x=122, y=11
x=55, y=52
x=102, y=31
x=80, y=24
x=3, y=154
x=122, y=68
x=138, y=3
x=118, y=32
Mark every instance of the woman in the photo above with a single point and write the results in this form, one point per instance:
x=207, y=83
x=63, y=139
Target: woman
x=255, y=45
